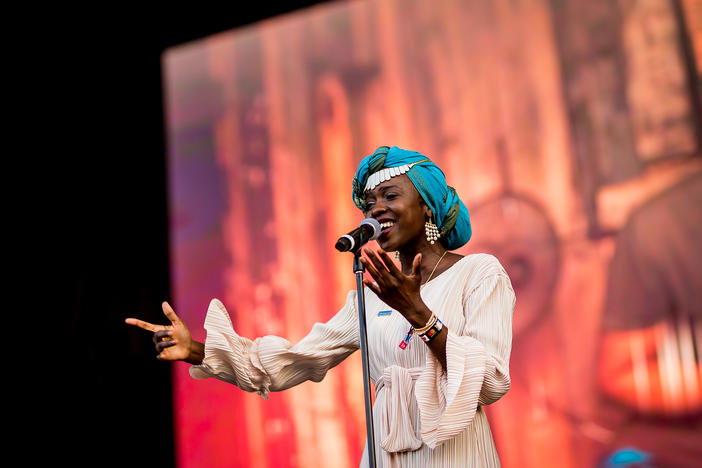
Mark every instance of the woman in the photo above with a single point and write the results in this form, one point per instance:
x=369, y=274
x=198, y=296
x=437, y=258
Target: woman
x=439, y=327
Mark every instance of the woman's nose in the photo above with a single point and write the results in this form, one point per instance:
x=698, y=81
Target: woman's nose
x=377, y=209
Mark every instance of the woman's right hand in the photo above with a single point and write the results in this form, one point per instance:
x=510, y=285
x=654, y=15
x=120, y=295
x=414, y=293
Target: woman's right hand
x=173, y=342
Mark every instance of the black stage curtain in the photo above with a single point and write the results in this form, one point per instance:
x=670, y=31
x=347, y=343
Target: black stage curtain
x=107, y=198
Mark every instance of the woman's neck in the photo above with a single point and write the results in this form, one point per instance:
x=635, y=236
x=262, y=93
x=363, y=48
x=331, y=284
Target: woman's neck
x=431, y=255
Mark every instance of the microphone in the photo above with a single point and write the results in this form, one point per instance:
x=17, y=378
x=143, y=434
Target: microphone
x=368, y=230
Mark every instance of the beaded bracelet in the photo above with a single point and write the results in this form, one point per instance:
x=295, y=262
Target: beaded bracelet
x=427, y=332
x=432, y=320
x=430, y=334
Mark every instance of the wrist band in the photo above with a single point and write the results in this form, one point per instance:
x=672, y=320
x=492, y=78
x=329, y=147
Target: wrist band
x=405, y=342
x=428, y=332
x=432, y=332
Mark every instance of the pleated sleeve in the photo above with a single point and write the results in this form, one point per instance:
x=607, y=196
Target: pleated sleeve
x=477, y=361
x=271, y=363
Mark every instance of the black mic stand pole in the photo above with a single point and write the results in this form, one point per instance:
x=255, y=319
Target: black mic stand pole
x=358, y=269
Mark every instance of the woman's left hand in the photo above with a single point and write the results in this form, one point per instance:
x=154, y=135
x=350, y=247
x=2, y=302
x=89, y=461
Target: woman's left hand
x=399, y=291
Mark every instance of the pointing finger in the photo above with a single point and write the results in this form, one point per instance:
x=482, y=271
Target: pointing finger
x=141, y=324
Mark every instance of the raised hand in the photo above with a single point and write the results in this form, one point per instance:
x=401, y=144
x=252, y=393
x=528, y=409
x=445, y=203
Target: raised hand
x=399, y=291
x=173, y=342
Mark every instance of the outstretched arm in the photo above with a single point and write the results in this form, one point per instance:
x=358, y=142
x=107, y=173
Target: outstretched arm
x=272, y=363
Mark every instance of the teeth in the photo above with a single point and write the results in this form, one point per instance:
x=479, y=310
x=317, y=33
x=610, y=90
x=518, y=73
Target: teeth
x=386, y=224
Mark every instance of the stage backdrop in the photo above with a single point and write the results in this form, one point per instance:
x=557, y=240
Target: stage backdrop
x=557, y=122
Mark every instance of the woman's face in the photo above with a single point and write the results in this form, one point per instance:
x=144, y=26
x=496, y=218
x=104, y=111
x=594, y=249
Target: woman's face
x=401, y=212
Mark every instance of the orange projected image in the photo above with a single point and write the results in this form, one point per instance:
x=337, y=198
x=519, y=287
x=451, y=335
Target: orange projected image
x=571, y=131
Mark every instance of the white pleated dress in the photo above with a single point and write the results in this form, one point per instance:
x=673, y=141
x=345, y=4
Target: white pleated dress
x=423, y=416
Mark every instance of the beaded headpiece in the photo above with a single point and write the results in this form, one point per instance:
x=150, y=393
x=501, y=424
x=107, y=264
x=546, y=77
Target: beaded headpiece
x=449, y=213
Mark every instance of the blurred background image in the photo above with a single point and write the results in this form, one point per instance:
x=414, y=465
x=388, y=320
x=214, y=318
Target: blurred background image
x=571, y=129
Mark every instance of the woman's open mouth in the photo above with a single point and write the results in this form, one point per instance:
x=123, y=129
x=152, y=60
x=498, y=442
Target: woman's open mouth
x=386, y=227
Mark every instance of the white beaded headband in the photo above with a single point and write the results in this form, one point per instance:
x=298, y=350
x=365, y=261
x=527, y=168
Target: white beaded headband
x=386, y=174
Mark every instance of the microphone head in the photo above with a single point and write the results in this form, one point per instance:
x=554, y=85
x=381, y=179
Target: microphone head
x=375, y=225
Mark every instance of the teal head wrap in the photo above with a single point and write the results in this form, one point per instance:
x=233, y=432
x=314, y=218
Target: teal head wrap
x=450, y=214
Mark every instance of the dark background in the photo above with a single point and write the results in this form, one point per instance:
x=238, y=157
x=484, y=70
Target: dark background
x=110, y=226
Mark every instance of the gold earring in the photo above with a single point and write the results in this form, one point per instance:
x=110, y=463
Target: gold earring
x=432, y=231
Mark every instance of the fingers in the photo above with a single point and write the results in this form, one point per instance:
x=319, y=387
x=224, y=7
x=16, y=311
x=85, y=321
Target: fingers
x=380, y=267
x=167, y=310
x=162, y=335
x=372, y=269
x=391, y=266
x=163, y=345
x=170, y=313
x=141, y=324
x=163, y=339
x=373, y=287
x=417, y=267
x=384, y=268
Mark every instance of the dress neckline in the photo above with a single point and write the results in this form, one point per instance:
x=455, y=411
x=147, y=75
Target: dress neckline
x=444, y=272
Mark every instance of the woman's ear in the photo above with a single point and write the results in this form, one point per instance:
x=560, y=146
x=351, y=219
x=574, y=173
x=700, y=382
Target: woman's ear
x=428, y=215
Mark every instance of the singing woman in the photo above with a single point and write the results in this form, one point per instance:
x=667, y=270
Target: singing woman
x=439, y=325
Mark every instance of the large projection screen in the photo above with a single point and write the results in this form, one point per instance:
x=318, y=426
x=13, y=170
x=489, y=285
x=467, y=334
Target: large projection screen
x=559, y=123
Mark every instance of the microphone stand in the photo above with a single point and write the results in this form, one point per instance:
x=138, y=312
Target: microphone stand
x=358, y=269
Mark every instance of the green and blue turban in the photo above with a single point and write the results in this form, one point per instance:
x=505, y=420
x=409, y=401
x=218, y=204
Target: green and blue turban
x=449, y=212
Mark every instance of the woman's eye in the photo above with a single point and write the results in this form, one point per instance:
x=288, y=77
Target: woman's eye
x=390, y=196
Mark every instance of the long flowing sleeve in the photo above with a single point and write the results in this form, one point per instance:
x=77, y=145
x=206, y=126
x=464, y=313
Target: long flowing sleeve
x=477, y=361
x=272, y=363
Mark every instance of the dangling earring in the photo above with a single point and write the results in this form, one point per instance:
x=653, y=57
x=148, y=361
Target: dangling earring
x=432, y=231
x=397, y=255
